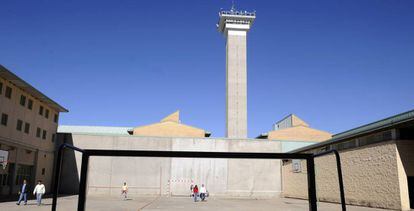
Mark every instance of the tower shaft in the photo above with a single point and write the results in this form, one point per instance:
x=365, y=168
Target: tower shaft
x=234, y=25
x=236, y=85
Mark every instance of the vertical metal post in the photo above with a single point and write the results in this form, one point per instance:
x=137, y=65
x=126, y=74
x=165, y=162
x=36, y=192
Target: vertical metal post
x=339, y=169
x=341, y=182
x=310, y=163
x=83, y=182
x=56, y=183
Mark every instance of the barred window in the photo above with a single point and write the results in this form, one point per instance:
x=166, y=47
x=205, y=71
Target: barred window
x=44, y=134
x=4, y=119
x=38, y=131
x=24, y=172
x=41, y=110
x=27, y=128
x=19, y=125
x=30, y=104
x=23, y=100
x=8, y=92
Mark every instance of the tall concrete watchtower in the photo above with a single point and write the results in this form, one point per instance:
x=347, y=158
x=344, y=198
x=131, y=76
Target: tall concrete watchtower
x=234, y=25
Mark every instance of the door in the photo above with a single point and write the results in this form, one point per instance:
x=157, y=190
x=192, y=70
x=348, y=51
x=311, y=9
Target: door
x=411, y=191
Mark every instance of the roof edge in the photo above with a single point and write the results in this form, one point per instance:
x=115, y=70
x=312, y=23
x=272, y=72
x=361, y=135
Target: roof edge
x=364, y=129
x=30, y=89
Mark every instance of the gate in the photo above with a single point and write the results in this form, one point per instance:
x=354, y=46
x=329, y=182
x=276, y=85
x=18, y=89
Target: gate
x=86, y=153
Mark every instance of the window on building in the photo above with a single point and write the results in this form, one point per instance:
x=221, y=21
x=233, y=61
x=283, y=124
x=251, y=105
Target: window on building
x=23, y=100
x=38, y=131
x=43, y=171
x=346, y=145
x=27, y=128
x=23, y=173
x=44, y=134
x=19, y=125
x=53, y=137
x=30, y=104
x=8, y=92
x=47, y=113
x=4, y=119
x=41, y=110
x=1, y=88
x=375, y=138
x=56, y=118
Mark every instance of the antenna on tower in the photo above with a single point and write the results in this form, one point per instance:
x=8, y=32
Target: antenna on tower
x=233, y=7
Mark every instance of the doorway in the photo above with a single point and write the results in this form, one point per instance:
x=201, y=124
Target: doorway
x=411, y=191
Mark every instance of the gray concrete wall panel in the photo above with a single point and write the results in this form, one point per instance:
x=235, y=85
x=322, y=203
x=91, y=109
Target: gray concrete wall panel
x=173, y=176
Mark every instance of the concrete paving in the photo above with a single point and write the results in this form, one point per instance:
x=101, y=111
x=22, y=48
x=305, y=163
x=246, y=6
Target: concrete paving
x=175, y=203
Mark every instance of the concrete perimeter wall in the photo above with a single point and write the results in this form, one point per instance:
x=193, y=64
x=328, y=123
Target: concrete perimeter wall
x=173, y=176
x=372, y=177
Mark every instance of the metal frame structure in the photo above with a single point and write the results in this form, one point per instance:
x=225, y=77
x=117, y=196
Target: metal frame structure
x=86, y=153
x=339, y=169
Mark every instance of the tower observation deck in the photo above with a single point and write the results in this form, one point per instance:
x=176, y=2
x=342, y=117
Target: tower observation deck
x=234, y=25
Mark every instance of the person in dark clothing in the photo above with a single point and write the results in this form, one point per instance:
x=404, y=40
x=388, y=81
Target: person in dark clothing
x=24, y=189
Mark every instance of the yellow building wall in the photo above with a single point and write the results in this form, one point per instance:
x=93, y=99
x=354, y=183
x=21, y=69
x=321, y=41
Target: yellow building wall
x=370, y=173
x=296, y=121
x=27, y=149
x=299, y=133
x=169, y=129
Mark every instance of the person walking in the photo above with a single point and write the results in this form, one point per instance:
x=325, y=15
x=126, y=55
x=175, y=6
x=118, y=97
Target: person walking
x=24, y=189
x=195, y=191
x=191, y=190
x=203, y=192
x=39, y=190
x=124, y=190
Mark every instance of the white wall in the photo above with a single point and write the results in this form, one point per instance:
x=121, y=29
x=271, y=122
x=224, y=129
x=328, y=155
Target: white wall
x=173, y=176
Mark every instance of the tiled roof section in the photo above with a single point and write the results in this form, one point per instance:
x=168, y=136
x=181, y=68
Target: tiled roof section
x=364, y=129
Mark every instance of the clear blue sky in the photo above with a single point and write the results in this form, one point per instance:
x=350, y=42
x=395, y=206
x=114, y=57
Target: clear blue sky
x=336, y=64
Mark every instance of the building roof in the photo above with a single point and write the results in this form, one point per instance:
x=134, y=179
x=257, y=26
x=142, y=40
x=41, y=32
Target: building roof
x=364, y=129
x=290, y=120
x=291, y=127
x=174, y=117
x=299, y=133
x=94, y=130
x=20, y=83
x=293, y=117
x=169, y=126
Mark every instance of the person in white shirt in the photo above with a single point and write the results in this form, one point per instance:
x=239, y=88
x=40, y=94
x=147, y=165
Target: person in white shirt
x=39, y=190
x=124, y=190
x=203, y=192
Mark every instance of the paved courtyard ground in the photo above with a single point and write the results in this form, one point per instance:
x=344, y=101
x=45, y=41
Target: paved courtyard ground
x=69, y=203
